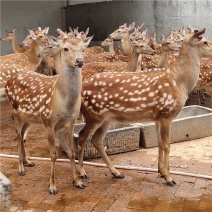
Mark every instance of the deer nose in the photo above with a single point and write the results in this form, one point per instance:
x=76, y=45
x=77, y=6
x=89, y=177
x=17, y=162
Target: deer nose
x=80, y=62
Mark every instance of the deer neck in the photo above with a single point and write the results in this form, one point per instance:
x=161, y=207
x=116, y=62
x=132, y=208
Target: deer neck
x=186, y=70
x=111, y=49
x=126, y=46
x=15, y=46
x=69, y=82
x=134, y=62
x=164, y=59
x=33, y=54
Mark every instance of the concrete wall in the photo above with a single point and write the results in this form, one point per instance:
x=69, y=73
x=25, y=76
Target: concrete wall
x=74, y=2
x=103, y=16
x=26, y=15
x=160, y=16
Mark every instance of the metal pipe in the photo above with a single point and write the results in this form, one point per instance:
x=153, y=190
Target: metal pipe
x=116, y=166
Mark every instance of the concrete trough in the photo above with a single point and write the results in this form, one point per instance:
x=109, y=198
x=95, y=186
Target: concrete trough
x=193, y=122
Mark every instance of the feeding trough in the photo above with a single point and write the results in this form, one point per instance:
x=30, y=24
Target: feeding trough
x=193, y=122
x=120, y=138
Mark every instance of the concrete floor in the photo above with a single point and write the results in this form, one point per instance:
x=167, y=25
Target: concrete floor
x=138, y=191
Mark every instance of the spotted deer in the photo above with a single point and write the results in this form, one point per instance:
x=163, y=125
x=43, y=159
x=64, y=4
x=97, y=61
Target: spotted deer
x=205, y=78
x=11, y=36
x=46, y=65
x=153, y=95
x=137, y=32
x=156, y=46
x=53, y=101
x=169, y=46
x=25, y=61
x=108, y=42
x=122, y=34
x=31, y=58
x=139, y=47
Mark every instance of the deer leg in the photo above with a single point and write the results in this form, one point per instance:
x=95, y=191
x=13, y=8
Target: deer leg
x=160, y=149
x=97, y=141
x=51, y=140
x=21, y=128
x=69, y=132
x=84, y=134
x=165, y=130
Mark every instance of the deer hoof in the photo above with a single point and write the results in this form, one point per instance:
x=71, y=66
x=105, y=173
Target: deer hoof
x=171, y=183
x=29, y=164
x=21, y=173
x=120, y=176
x=85, y=177
x=53, y=191
x=80, y=186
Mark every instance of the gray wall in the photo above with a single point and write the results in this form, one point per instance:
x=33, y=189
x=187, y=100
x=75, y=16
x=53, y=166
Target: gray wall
x=26, y=15
x=159, y=16
x=104, y=17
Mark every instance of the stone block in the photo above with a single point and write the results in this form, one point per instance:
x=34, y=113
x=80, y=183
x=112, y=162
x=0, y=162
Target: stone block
x=5, y=193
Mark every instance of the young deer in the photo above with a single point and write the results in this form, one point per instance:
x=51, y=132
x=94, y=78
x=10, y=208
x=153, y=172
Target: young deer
x=156, y=95
x=11, y=36
x=139, y=47
x=31, y=58
x=109, y=43
x=47, y=64
x=168, y=45
x=122, y=34
x=51, y=101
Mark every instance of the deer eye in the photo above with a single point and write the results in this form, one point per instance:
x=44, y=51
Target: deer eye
x=66, y=49
x=168, y=43
x=206, y=43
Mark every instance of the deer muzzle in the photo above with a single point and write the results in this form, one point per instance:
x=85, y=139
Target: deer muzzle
x=80, y=62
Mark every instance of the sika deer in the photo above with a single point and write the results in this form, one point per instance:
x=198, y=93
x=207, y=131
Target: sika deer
x=139, y=47
x=47, y=64
x=205, y=77
x=51, y=101
x=109, y=42
x=11, y=36
x=122, y=33
x=29, y=59
x=157, y=95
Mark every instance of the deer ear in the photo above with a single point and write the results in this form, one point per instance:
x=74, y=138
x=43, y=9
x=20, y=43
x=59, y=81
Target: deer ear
x=46, y=30
x=62, y=34
x=131, y=26
x=32, y=34
x=197, y=36
x=71, y=30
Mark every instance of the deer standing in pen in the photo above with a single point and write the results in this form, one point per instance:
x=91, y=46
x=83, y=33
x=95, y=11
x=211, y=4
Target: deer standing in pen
x=30, y=58
x=53, y=101
x=125, y=49
x=157, y=95
x=108, y=42
x=25, y=61
x=205, y=78
x=139, y=47
x=42, y=65
x=122, y=34
x=11, y=36
x=168, y=47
